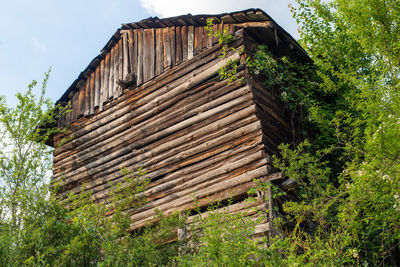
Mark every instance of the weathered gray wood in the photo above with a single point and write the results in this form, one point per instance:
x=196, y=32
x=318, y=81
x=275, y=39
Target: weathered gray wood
x=148, y=55
x=125, y=55
x=103, y=86
x=212, y=144
x=172, y=203
x=159, y=62
x=184, y=37
x=97, y=88
x=197, y=133
x=131, y=51
x=87, y=97
x=107, y=76
x=178, y=45
x=139, y=75
x=120, y=67
x=173, y=45
x=167, y=48
x=101, y=147
x=81, y=101
x=92, y=93
x=208, y=72
x=116, y=68
x=204, y=101
x=188, y=168
x=74, y=104
x=152, y=86
x=190, y=41
x=135, y=54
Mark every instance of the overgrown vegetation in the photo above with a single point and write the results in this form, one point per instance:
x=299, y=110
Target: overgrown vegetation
x=347, y=211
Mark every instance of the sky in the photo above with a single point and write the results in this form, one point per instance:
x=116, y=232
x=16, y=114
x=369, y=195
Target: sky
x=66, y=35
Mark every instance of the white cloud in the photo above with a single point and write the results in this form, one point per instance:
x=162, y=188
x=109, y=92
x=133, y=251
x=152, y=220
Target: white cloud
x=38, y=45
x=277, y=9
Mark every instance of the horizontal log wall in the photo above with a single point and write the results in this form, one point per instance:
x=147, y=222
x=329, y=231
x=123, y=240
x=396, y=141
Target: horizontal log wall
x=195, y=135
x=144, y=52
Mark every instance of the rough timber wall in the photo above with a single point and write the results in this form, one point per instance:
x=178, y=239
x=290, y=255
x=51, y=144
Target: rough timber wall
x=153, y=99
x=194, y=135
x=145, y=53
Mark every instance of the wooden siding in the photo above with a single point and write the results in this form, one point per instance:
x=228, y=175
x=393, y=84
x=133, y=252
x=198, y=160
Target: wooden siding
x=195, y=135
x=144, y=52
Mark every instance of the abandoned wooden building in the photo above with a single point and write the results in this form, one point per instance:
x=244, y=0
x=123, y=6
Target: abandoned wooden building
x=153, y=98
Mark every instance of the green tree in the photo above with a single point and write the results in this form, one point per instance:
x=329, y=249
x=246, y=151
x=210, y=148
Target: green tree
x=354, y=205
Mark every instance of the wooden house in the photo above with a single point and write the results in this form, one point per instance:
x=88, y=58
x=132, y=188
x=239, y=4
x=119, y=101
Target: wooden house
x=153, y=98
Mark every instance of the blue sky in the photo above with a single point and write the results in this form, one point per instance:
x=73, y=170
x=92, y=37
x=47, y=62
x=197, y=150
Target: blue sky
x=67, y=35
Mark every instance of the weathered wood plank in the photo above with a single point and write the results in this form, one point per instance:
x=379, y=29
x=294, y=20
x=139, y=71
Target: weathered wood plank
x=125, y=55
x=92, y=92
x=215, y=30
x=74, y=106
x=139, y=75
x=131, y=51
x=173, y=45
x=198, y=40
x=117, y=67
x=81, y=101
x=97, y=88
x=184, y=37
x=120, y=67
x=135, y=54
x=148, y=55
x=159, y=62
x=190, y=42
x=87, y=97
x=178, y=45
x=167, y=48
x=204, y=38
x=107, y=76
x=103, y=86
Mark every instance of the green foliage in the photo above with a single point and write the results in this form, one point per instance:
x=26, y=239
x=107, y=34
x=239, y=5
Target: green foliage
x=346, y=209
x=24, y=158
x=224, y=38
x=347, y=212
x=228, y=71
